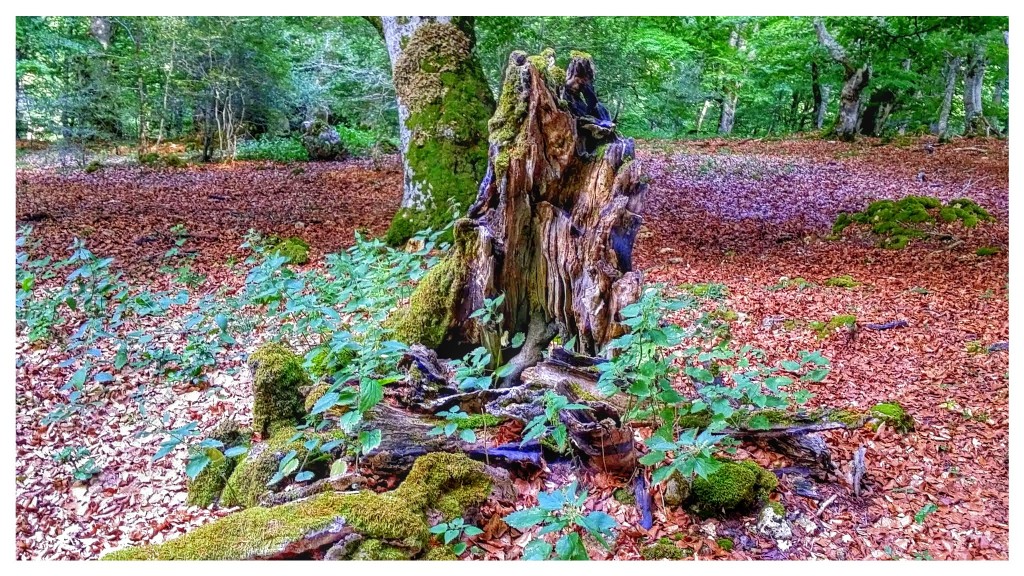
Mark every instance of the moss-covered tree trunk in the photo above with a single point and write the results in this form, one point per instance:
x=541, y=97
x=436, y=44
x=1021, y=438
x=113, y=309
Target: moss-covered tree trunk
x=552, y=228
x=443, y=106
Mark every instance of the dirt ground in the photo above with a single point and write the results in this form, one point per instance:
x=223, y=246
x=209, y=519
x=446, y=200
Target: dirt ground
x=741, y=213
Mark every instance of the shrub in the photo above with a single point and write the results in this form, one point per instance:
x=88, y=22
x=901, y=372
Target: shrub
x=363, y=143
x=275, y=149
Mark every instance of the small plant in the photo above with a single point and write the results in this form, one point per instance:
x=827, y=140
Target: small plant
x=923, y=513
x=453, y=417
x=453, y=530
x=93, y=166
x=79, y=459
x=549, y=422
x=558, y=511
x=987, y=251
x=706, y=291
x=975, y=347
x=919, y=290
x=844, y=281
x=839, y=322
x=786, y=283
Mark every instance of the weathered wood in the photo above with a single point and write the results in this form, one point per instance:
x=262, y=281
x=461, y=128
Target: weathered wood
x=859, y=469
x=552, y=227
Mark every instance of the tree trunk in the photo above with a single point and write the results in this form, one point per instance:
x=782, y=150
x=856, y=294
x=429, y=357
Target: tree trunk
x=443, y=106
x=552, y=228
x=728, y=116
x=880, y=106
x=951, y=73
x=856, y=79
x=975, y=123
x=703, y=113
x=819, y=96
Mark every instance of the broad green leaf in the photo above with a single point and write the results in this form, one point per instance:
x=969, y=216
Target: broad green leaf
x=526, y=518
x=537, y=549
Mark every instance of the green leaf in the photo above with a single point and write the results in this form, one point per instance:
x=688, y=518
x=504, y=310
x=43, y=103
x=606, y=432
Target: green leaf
x=450, y=535
x=924, y=512
x=652, y=458
x=661, y=474
x=339, y=468
x=459, y=548
x=290, y=466
x=518, y=340
x=759, y=422
x=791, y=365
x=196, y=464
x=524, y=519
x=303, y=476
x=439, y=528
x=550, y=501
x=236, y=451
x=468, y=435
x=472, y=531
x=570, y=547
x=450, y=428
x=103, y=377
x=816, y=375
x=537, y=549
x=369, y=440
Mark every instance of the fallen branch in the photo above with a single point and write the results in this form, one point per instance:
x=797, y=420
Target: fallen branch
x=888, y=325
x=824, y=505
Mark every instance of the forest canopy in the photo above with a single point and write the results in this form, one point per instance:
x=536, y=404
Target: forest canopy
x=219, y=81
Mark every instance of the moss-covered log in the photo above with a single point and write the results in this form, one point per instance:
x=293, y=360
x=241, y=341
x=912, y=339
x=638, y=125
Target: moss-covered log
x=389, y=526
x=552, y=227
x=443, y=106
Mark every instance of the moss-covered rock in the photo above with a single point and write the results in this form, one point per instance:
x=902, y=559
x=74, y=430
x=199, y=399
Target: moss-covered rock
x=479, y=421
x=624, y=496
x=278, y=378
x=826, y=329
x=844, y=281
x=205, y=489
x=664, y=549
x=446, y=102
x=322, y=141
x=295, y=249
x=734, y=488
x=442, y=553
x=894, y=415
x=897, y=222
x=393, y=524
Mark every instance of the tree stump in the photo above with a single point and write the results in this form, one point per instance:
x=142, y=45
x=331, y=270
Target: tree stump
x=552, y=228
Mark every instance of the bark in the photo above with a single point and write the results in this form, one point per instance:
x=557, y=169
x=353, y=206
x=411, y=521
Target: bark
x=728, y=116
x=951, y=72
x=552, y=228
x=443, y=106
x=703, y=113
x=856, y=79
x=975, y=123
x=818, y=95
x=880, y=106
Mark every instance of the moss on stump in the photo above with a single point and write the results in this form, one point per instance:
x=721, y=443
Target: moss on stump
x=278, y=377
x=394, y=524
x=894, y=415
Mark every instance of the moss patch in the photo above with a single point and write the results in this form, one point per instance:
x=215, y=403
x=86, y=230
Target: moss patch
x=624, y=496
x=278, y=377
x=826, y=329
x=443, y=553
x=431, y=309
x=295, y=249
x=734, y=487
x=479, y=421
x=206, y=488
x=893, y=414
x=778, y=508
x=844, y=281
x=896, y=223
x=394, y=524
x=664, y=549
x=441, y=84
x=725, y=544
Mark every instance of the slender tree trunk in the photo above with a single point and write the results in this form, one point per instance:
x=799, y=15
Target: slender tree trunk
x=856, y=80
x=703, y=114
x=819, y=96
x=951, y=73
x=728, y=116
x=444, y=105
x=975, y=123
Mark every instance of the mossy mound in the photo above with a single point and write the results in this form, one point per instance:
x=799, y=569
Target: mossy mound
x=664, y=549
x=93, y=166
x=295, y=249
x=896, y=223
x=844, y=281
x=624, y=496
x=725, y=544
x=735, y=487
x=479, y=421
x=442, y=553
x=826, y=329
x=441, y=85
x=393, y=524
x=278, y=378
x=254, y=470
x=431, y=309
x=205, y=489
x=322, y=141
x=893, y=414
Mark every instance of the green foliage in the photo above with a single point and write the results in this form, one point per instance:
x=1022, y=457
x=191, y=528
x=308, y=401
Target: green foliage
x=732, y=487
x=549, y=423
x=987, y=251
x=896, y=223
x=844, y=281
x=834, y=324
x=453, y=530
x=79, y=460
x=366, y=143
x=275, y=149
x=295, y=249
x=725, y=544
x=706, y=291
x=562, y=511
x=454, y=417
x=786, y=283
x=923, y=513
x=93, y=166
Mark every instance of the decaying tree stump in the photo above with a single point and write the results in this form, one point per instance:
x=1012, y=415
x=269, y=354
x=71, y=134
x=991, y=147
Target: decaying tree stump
x=552, y=227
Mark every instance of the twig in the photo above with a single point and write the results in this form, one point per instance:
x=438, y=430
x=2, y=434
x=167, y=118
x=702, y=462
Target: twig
x=824, y=505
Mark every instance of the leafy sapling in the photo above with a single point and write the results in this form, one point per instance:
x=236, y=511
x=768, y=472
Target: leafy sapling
x=549, y=422
x=452, y=418
x=453, y=530
x=83, y=466
x=562, y=511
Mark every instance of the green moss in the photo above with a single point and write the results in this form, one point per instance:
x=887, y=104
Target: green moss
x=663, y=549
x=278, y=376
x=896, y=223
x=624, y=496
x=249, y=479
x=206, y=488
x=443, y=553
x=725, y=314
x=295, y=249
x=377, y=550
x=826, y=329
x=778, y=508
x=975, y=347
x=851, y=418
x=725, y=544
x=706, y=290
x=479, y=421
x=893, y=414
x=439, y=81
x=987, y=251
x=93, y=166
x=314, y=396
x=583, y=394
x=431, y=309
x=734, y=487
x=394, y=524
x=844, y=281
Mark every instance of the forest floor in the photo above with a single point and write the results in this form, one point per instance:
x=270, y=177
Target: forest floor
x=743, y=214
